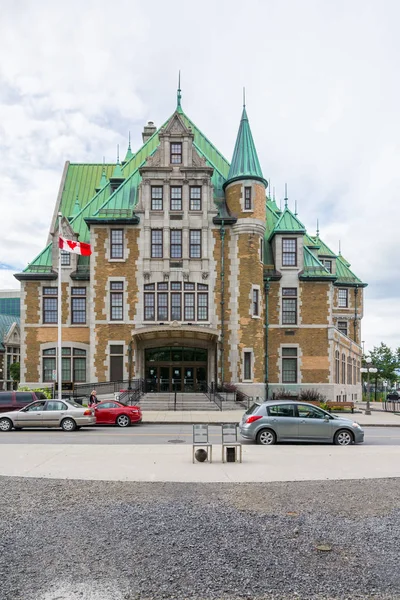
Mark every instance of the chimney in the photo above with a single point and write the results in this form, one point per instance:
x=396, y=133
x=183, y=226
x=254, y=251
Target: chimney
x=148, y=131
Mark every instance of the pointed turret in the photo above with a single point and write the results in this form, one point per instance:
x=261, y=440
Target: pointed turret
x=103, y=180
x=129, y=153
x=77, y=207
x=117, y=177
x=179, y=95
x=245, y=164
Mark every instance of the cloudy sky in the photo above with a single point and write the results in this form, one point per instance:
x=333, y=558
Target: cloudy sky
x=322, y=91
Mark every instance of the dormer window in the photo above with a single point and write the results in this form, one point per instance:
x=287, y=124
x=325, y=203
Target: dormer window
x=247, y=199
x=176, y=153
x=328, y=265
x=289, y=252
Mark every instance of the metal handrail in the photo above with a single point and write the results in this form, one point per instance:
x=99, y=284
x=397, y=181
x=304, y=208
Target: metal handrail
x=243, y=399
x=213, y=396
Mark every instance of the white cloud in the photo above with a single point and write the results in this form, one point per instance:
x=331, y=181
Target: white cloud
x=322, y=95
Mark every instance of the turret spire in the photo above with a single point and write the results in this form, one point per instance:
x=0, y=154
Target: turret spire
x=286, y=198
x=245, y=164
x=317, y=228
x=179, y=95
x=129, y=153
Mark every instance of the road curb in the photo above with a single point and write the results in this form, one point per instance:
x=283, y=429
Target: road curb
x=146, y=422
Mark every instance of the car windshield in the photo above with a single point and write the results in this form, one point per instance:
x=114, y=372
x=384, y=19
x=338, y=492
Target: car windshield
x=252, y=408
x=74, y=404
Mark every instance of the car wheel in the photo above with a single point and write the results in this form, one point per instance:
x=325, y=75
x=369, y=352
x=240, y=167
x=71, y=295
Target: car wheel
x=123, y=421
x=68, y=425
x=266, y=437
x=343, y=438
x=5, y=424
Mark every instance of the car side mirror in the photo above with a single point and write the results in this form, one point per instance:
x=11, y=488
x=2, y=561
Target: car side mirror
x=327, y=418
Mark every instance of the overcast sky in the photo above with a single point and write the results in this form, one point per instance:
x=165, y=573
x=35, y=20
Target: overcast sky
x=322, y=87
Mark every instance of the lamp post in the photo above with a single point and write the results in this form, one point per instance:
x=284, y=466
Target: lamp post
x=368, y=369
x=130, y=365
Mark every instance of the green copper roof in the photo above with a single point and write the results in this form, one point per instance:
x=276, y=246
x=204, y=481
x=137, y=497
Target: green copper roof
x=313, y=268
x=117, y=173
x=310, y=242
x=81, y=179
x=323, y=248
x=245, y=163
x=103, y=180
x=288, y=223
x=344, y=276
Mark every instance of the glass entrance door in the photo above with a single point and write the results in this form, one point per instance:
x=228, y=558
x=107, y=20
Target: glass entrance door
x=164, y=379
x=181, y=369
x=188, y=379
x=176, y=379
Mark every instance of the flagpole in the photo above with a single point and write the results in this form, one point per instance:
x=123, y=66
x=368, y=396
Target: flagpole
x=59, y=317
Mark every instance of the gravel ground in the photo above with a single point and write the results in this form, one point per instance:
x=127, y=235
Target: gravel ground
x=68, y=540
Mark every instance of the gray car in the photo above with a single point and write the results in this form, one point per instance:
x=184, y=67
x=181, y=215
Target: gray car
x=288, y=421
x=66, y=414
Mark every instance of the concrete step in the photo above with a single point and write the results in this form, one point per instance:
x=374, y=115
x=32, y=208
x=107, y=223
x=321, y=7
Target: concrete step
x=185, y=402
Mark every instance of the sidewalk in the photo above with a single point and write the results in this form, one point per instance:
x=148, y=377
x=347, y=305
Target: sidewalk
x=174, y=463
x=378, y=418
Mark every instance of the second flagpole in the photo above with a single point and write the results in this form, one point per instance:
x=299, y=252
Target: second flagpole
x=59, y=316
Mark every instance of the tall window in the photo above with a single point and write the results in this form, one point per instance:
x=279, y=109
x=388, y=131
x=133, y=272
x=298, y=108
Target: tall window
x=195, y=243
x=50, y=305
x=65, y=258
x=116, y=300
x=354, y=371
x=156, y=243
x=117, y=243
x=247, y=365
x=343, y=368
x=78, y=305
x=49, y=364
x=289, y=252
x=189, y=307
x=176, y=243
x=195, y=198
x=149, y=306
x=247, y=198
x=342, y=326
x=289, y=306
x=176, y=198
x=343, y=298
x=256, y=302
x=202, y=307
x=162, y=304
x=176, y=306
x=261, y=250
x=337, y=366
x=328, y=265
x=349, y=370
x=73, y=364
x=289, y=365
x=176, y=153
x=156, y=197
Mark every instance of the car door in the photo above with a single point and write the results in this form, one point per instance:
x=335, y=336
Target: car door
x=54, y=411
x=284, y=420
x=31, y=416
x=104, y=413
x=313, y=425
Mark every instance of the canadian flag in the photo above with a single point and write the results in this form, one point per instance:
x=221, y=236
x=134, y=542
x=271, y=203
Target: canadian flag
x=75, y=247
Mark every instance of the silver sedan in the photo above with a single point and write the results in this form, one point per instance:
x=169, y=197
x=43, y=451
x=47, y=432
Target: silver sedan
x=288, y=421
x=49, y=413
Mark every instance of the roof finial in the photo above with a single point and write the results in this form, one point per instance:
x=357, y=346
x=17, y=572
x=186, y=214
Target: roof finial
x=273, y=193
x=295, y=208
x=118, y=154
x=286, y=198
x=179, y=95
x=269, y=189
x=129, y=140
x=317, y=228
x=244, y=97
x=340, y=249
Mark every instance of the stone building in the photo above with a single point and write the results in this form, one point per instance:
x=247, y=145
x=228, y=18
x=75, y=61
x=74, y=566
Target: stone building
x=9, y=335
x=196, y=277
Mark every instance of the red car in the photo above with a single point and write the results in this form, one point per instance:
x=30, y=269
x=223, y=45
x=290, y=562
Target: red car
x=111, y=412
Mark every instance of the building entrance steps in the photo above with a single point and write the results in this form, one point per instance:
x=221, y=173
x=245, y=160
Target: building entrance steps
x=184, y=402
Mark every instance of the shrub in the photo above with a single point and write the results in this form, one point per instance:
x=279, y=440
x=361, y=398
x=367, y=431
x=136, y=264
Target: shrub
x=46, y=391
x=312, y=395
x=282, y=394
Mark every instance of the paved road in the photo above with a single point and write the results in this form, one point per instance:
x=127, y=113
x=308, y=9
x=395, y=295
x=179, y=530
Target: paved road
x=155, y=434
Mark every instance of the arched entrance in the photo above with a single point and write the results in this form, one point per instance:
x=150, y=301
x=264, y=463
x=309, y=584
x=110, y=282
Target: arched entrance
x=176, y=358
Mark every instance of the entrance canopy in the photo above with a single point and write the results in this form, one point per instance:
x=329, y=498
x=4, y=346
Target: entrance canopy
x=171, y=332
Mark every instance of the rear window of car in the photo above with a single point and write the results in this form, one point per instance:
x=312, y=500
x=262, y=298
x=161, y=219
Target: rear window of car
x=281, y=410
x=24, y=397
x=5, y=398
x=252, y=409
x=74, y=404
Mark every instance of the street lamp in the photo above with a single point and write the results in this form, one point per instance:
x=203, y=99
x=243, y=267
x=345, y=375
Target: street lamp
x=368, y=369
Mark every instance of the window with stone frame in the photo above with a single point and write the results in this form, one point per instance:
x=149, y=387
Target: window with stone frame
x=247, y=366
x=256, y=302
x=65, y=258
x=149, y=306
x=176, y=153
x=189, y=306
x=349, y=371
x=117, y=243
x=195, y=197
x=78, y=305
x=176, y=306
x=162, y=306
x=262, y=250
x=343, y=297
x=328, y=265
x=248, y=205
x=157, y=243
x=289, y=365
x=157, y=197
x=175, y=198
x=195, y=243
x=342, y=326
x=73, y=364
x=343, y=368
x=202, y=306
x=337, y=366
x=354, y=371
x=289, y=252
x=289, y=306
x=50, y=306
x=176, y=243
x=116, y=301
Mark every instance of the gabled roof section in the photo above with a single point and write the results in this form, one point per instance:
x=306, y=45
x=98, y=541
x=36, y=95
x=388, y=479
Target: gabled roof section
x=288, y=223
x=82, y=181
x=344, y=276
x=6, y=322
x=313, y=268
x=323, y=248
x=245, y=163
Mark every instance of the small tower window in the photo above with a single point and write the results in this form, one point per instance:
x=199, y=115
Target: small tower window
x=247, y=199
x=289, y=252
x=65, y=258
x=176, y=153
x=343, y=298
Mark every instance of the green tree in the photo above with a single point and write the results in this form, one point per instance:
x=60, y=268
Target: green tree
x=386, y=361
x=15, y=371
